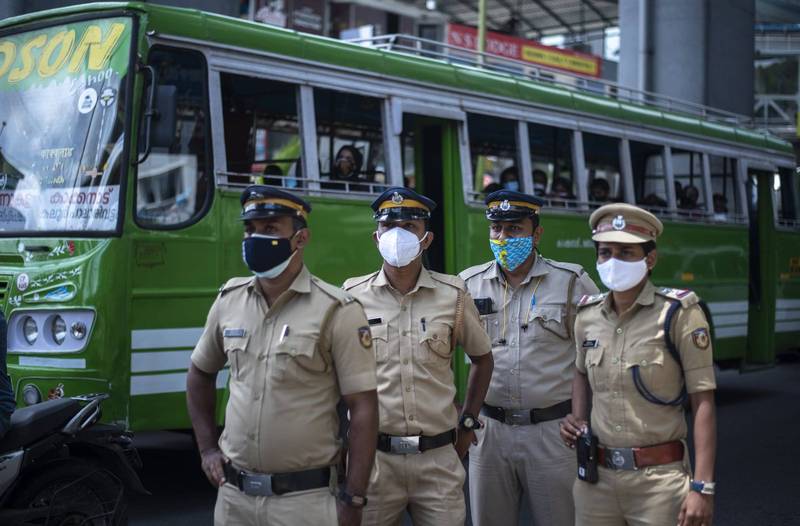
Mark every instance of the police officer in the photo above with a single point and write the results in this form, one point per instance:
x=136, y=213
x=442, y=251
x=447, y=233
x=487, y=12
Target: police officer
x=417, y=317
x=642, y=350
x=295, y=344
x=528, y=305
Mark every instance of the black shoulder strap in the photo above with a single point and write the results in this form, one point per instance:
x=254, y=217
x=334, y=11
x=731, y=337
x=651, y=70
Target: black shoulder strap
x=673, y=351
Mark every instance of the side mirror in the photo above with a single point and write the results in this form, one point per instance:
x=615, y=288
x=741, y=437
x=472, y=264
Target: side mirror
x=163, y=131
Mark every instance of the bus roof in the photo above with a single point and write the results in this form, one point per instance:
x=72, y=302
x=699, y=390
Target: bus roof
x=231, y=31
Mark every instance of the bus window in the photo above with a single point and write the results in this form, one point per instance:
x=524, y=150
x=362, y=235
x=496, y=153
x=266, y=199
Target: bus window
x=601, y=154
x=493, y=149
x=408, y=143
x=173, y=183
x=723, y=187
x=687, y=169
x=786, y=202
x=262, y=136
x=551, y=162
x=649, y=181
x=350, y=142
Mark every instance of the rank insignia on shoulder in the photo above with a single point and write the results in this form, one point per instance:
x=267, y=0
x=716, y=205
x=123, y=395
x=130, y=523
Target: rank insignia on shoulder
x=675, y=293
x=365, y=337
x=589, y=344
x=700, y=338
x=233, y=333
x=588, y=299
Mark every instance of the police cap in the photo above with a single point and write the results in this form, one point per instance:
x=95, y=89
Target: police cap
x=261, y=201
x=624, y=223
x=507, y=205
x=402, y=204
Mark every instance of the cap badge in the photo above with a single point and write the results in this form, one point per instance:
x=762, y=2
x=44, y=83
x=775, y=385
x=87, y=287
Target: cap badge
x=505, y=206
x=618, y=223
x=397, y=198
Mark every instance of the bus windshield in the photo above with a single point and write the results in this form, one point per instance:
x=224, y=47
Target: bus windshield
x=62, y=101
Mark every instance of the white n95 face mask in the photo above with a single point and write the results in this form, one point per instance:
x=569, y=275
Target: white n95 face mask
x=399, y=247
x=620, y=275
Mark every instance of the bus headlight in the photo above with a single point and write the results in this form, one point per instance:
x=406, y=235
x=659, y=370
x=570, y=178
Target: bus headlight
x=78, y=330
x=31, y=394
x=30, y=330
x=58, y=329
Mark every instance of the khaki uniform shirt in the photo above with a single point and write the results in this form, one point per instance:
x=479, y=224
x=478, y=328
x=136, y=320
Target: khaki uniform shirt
x=609, y=346
x=289, y=365
x=534, y=368
x=414, y=341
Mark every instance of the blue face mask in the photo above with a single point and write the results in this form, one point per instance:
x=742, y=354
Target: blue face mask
x=512, y=185
x=512, y=251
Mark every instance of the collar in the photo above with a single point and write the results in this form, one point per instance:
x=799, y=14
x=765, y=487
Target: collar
x=646, y=297
x=423, y=280
x=301, y=283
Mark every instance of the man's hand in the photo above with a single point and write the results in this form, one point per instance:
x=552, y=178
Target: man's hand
x=464, y=438
x=348, y=515
x=571, y=428
x=212, y=461
x=697, y=510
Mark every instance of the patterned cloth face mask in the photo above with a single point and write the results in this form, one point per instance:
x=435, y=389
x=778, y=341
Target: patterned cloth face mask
x=511, y=252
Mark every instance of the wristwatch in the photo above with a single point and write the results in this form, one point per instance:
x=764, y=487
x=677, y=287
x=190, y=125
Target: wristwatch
x=356, y=501
x=701, y=486
x=469, y=422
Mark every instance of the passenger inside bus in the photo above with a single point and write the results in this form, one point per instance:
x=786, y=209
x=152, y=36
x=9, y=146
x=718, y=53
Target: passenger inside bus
x=561, y=191
x=539, y=183
x=272, y=169
x=509, y=179
x=689, y=197
x=720, y=207
x=599, y=190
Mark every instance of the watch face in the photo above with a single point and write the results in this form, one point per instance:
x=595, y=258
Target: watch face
x=469, y=422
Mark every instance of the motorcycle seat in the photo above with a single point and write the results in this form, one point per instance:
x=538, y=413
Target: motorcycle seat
x=34, y=422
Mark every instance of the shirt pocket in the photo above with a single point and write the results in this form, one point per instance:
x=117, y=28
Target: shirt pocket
x=551, y=318
x=434, y=344
x=238, y=356
x=597, y=368
x=650, y=361
x=491, y=324
x=297, y=358
x=380, y=341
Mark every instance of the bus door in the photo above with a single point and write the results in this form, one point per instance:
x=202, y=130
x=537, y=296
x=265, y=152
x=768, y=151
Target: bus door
x=761, y=318
x=431, y=165
x=174, y=268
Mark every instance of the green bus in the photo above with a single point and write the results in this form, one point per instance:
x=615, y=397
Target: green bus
x=128, y=130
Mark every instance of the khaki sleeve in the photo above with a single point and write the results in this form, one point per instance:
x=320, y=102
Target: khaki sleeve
x=351, y=348
x=209, y=354
x=693, y=339
x=473, y=338
x=580, y=352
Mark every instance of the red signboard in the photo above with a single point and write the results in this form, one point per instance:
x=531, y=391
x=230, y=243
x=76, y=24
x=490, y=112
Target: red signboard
x=525, y=50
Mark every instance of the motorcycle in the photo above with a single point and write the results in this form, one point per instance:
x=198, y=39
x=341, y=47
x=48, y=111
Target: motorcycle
x=60, y=466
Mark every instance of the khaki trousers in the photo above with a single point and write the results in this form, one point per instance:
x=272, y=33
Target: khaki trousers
x=316, y=507
x=648, y=497
x=510, y=463
x=429, y=485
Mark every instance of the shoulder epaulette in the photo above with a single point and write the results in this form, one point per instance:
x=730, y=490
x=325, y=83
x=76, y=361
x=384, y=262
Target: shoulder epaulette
x=685, y=296
x=591, y=299
x=334, y=292
x=571, y=267
x=358, y=280
x=449, y=279
x=475, y=270
x=234, y=283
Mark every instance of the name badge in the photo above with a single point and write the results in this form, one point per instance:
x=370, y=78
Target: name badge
x=375, y=321
x=589, y=344
x=233, y=333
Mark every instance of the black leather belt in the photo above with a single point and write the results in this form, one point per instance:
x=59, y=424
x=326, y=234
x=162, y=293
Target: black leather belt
x=265, y=485
x=400, y=445
x=524, y=417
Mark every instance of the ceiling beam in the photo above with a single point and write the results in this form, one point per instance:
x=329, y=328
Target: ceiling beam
x=471, y=7
x=599, y=13
x=523, y=19
x=554, y=15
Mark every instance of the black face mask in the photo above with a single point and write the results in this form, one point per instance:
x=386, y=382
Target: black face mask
x=266, y=256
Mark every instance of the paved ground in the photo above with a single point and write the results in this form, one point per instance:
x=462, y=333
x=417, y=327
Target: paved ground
x=757, y=466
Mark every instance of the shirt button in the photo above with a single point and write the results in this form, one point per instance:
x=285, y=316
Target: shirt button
x=403, y=308
x=513, y=371
x=257, y=396
x=408, y=388
x=405, y=362
x=405, y=333
x=619, y=330
x=513, y=342
x=513, y=319
x=644, y=362
x=618, y=428
x=615, y=360
x=411, y=417
x=268, y=320
x=251, y=436
x=262, y=357
x=616, y=394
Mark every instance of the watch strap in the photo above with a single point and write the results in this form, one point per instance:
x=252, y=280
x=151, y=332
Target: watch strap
x=356, y=501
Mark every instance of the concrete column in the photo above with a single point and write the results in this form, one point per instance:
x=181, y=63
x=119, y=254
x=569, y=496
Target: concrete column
x=730, y=82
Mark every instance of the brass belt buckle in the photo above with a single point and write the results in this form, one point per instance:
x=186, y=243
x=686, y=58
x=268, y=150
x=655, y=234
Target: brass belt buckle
x=257, y=485
x=404, y=445
x=518, y=417
x=621, y=458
